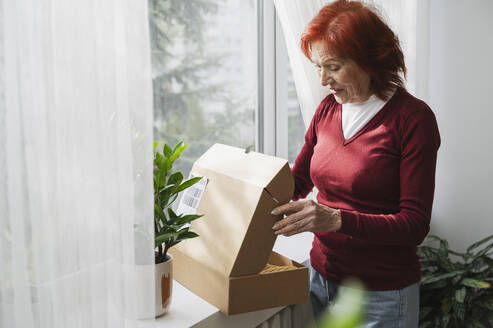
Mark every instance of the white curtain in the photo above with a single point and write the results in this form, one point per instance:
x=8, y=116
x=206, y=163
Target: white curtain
x=294, y=16
x=407, y=18
x=75, y=164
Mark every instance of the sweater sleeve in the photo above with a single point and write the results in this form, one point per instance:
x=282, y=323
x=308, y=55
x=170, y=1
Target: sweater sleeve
x=420, y=140
x=301, y=169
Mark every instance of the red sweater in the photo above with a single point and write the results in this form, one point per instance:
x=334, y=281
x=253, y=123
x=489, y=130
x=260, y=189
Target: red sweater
x=382, y=179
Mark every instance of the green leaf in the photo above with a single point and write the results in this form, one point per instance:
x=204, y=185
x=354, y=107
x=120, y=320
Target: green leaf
x=159, y=179
x=172, y=243
x=460, y=295
x=476, y=244
x=443, y=243
x=162, y=232
x=167, y=150
x=164, y=194
x=489, y=263
x=173, y=198
x=168, y=187
x=169, y=165
x=155, y=145
x=162, y=238
x=474, y=283
x=175, y=220
x=158, y=158
x=172, y=214
x=463, y=255
x=433, y=278
x=188, y=218
x=436, y=257
x=187, y=235
x=178, y=145
x=482, y=252
x=176, y=178
x=158, y=211
x=162, y=163
x=163, y=199
x=178, y=150
x=428, y=253
x=483, y=266
x=188, y=183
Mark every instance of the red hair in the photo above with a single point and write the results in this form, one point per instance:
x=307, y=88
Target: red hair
x=352, y=30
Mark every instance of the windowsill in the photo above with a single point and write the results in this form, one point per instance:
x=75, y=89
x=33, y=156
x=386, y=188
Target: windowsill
x=189, y=310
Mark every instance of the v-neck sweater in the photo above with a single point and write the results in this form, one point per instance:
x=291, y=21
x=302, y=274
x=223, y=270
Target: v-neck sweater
x=355, y=116
x=382, y=179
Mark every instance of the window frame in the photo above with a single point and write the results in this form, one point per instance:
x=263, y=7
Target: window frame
x=271, y=119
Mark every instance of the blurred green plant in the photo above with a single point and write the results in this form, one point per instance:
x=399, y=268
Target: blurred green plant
x=456, y=287
x=347, y=311
x=169, y=228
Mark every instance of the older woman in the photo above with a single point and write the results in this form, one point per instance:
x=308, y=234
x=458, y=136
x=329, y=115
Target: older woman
x=371, y=151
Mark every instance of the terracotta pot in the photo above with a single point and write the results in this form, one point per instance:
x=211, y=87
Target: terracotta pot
x=164, y=285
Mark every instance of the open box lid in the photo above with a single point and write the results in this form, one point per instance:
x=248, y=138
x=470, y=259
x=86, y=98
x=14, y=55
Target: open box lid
x=235, y=233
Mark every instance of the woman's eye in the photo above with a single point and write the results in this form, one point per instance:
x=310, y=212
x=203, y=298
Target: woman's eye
x=332, y=68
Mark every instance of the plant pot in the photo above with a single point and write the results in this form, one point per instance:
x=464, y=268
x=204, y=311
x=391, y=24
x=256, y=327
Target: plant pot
x=164, y=285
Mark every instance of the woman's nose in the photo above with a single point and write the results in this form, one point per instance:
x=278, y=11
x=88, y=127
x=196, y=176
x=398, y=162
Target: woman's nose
x=325, y=77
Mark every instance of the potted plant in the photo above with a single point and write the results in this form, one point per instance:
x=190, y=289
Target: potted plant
x=456, y=287
x=169, y=228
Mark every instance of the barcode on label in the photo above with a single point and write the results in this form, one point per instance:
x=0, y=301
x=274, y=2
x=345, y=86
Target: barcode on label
x=191, y=198
x=190, y=201
x=196, y=192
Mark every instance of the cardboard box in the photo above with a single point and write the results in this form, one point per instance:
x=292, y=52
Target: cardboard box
x=235, y=240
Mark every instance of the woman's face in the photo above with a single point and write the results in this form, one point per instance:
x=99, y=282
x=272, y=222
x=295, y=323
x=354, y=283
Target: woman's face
x=346, y=80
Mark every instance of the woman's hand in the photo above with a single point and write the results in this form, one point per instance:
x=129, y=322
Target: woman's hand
x=306, y=215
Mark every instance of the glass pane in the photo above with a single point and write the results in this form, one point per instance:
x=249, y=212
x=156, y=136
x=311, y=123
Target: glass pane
x=204, y=73
x=296, y=127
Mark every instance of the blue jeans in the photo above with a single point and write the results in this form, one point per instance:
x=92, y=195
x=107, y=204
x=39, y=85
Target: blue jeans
x=382, y=309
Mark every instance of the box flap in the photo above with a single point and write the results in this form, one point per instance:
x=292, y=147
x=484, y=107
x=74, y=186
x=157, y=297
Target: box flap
x=281, y=187
x=235, y=233
x=252, y=167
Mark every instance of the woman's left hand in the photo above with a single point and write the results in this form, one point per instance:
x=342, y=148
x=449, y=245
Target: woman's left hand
x=306, y=215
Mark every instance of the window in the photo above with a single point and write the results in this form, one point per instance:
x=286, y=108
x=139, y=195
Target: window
x=290, y=124
x=204, y=73
x=221, y=74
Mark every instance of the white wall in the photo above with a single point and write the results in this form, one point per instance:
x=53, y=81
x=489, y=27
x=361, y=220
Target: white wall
x=460, y=91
